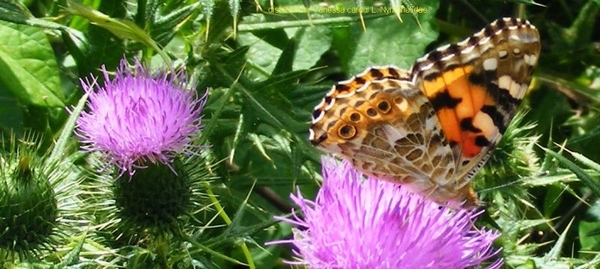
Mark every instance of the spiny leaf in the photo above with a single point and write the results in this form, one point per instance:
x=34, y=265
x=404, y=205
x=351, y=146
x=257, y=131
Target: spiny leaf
x=593, y=184
x=208, y=6
x=586, y=161
x=360, y=4
x=397, y=6
x=554, y=253
x=234, y=8
x=73, y=256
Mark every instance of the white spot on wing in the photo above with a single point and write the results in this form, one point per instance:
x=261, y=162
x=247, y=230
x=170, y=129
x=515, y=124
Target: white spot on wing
x=424, y=58
x=447, y=57
x=426, y=67
x=484, y=40
x=480, y=33
x=403, y=106
x=346, y=95
x=364, y=87
x=443, y=48
x=515, y=90
x=347, y=81
x=531, y=59
x=485, y=123
x=463, y=43
x=507, y=83
x=317, y=119
x=467, y=50
x=330, y=104
x=504, y=82
x=333, y=90
x=322, y=103
x=490, y=64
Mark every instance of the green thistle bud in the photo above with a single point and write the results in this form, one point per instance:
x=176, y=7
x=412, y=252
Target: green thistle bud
x=155, y=196
x=35, y=201
x=28, y=207
x=156, y=202
x=38, y=198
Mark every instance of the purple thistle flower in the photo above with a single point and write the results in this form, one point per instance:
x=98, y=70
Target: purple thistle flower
x=355, y=223
x=137, y=117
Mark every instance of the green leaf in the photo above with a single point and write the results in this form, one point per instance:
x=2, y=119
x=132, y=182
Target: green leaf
x=302, y=51
x=580, y=31
x=560, y=176
x=165, y=27
x=121, y=28
x=16, y=12
x=11, y=114
x=591, y=264
x=77, y=43
x=585, y=161
x=402, y=42
x=28, y=67
x=589, y=181
x=286, y=59
x=282, y=80
x=60, y=148
x=73, y=256
x=342, y=20
x=314, y=42
x=262, y=55
x=589, y=235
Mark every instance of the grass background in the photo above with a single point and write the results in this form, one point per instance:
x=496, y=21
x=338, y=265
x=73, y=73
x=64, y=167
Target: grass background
x=267, y=64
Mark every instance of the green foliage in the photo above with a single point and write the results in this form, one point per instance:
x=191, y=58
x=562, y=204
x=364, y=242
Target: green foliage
x=266, y=64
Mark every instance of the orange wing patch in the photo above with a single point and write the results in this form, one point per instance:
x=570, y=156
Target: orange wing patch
x=476, y=85
x=457, y=101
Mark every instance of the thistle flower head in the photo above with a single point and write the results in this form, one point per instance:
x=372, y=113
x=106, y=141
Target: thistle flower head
x=377, y=224
x=137, y=117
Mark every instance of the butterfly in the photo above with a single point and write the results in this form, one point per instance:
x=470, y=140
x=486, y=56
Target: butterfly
x=432, y=127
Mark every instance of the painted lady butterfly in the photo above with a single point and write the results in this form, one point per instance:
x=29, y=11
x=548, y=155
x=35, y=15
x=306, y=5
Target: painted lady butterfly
x=431, y=128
